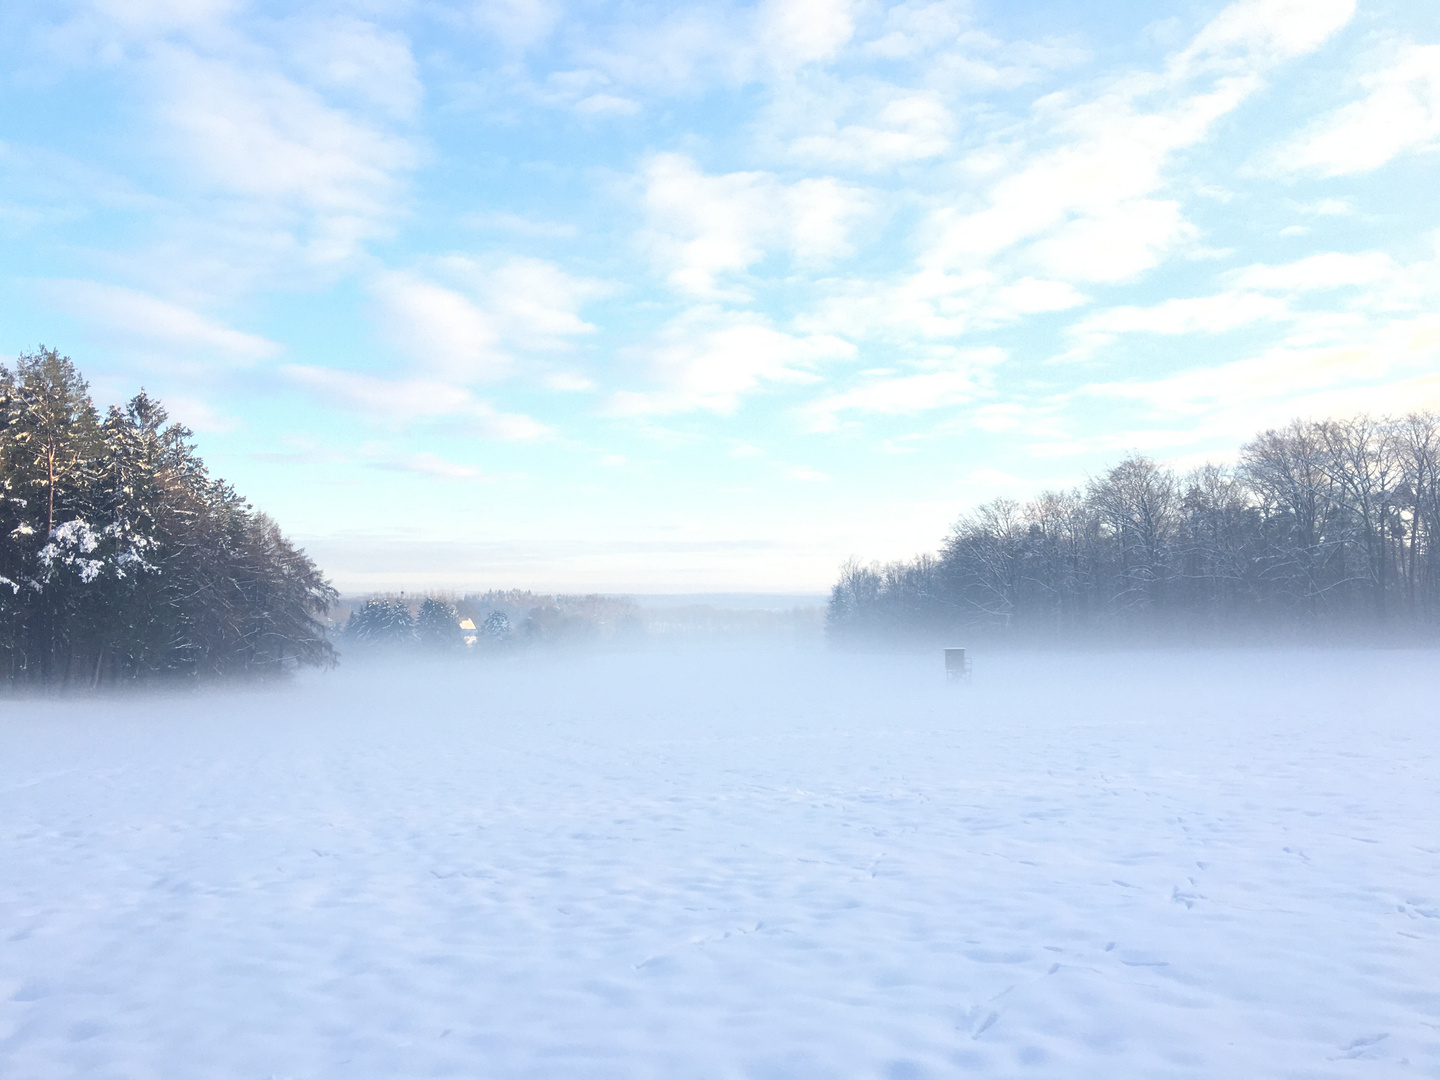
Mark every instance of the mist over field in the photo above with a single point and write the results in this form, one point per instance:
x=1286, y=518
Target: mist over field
x=732, y=860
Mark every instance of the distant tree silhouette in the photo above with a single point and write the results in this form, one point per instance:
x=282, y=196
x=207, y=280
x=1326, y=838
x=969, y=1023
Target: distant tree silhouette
x=437, y=626
x=381, y=622
x=1322, y=524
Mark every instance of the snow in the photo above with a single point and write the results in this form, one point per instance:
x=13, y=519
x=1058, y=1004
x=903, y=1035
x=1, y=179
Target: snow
x=782, y=864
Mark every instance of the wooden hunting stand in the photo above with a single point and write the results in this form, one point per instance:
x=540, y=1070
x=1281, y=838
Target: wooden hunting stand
x=957, y=666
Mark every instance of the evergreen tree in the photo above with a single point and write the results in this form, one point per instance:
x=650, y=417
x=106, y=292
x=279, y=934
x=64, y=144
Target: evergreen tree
x=120, y=558
x=437, y=626
x=381, y=622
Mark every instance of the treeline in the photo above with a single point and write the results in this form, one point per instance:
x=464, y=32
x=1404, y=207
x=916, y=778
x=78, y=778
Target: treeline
x=122, y=559
x=1322, y=528
x=517, y=619
x=499, y=619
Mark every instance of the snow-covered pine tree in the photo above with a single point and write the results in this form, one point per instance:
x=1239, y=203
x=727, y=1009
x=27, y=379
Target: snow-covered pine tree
x=48, y=447
x=379, y=622
x=496, y=626
x=120, y=558
x=437, y=626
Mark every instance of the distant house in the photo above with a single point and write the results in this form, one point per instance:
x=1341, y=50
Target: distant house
x=467, y=627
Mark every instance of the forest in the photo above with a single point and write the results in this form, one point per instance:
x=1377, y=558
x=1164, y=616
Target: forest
x=122, y=559
x=1322, y=530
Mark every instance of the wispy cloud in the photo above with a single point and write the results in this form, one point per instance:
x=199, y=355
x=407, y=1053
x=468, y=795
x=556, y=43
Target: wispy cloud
x=478, y=324
x=140, y=319
x=1399, y=112
x=261, y=137
x=408, y=400
x=710, y=361
x=695, y=46
x=1083, y=194
x=288, y=140
x=958, y=380
x=519, y=225
x=1374, y=363
x=426, y=463
x=907, y=127
x=704, y=229
x=371, y=455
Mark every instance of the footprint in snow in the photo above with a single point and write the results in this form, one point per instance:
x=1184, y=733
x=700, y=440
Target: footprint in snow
x=985, y=1025
x=1188, y=899
x=1359, y=1046
x=978, y=1020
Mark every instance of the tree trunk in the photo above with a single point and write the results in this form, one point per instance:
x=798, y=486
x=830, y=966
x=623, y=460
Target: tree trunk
x=50, y=483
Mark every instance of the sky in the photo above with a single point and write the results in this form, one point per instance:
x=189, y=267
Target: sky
x=630, y=297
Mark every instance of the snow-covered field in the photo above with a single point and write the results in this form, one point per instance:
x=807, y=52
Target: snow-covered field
x=786, y=864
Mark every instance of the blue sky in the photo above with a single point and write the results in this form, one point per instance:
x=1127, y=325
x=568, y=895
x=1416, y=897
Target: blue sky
x=637, y=297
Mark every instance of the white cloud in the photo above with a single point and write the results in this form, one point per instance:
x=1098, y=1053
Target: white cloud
x=1184, y=315
x=977, y=60
x=1081, y=194
x=682, y=51
x=1329, y=270
x=289, y=134
x=474, y=327
x=965, y=377
x=1372, y=288
x=600, y=104
x=1373, y=358
x=710, y=361
x=259, y=136
x=884, y=116
x=1086, y=205
x=911, y=127
x=520, y=226
x=154, y=323
x=441, y=329
x=358, y=60
x=1030, y=296
x=535, y=302
x=1113, y=243
x=1094, y=193
x=426, y=463
x=200, y=415
x=569, y=383
x=694, y=47
x=933, y=304
x=1328, y=208
x=144, y=18
x=518, y=24
x=407, y=400
x=703, y=227
x=999, y=416
x=1267, y=31
x=1400, y=112
x=797, y=32
x=913, y=28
